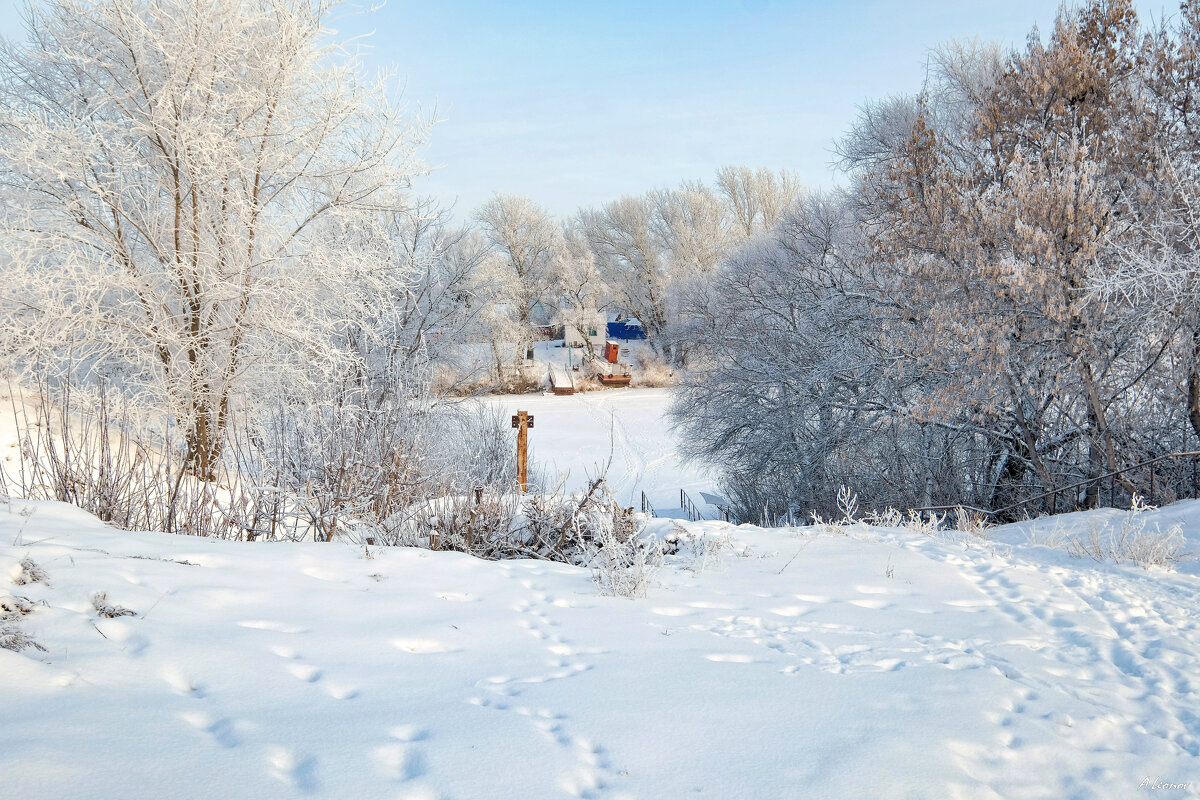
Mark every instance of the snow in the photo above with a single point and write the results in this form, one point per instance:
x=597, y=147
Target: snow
x=579, y=434
x=846, y=662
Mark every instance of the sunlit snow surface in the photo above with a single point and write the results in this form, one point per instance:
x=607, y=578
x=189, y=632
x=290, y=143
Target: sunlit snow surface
x=622, y=433
x=863, y=663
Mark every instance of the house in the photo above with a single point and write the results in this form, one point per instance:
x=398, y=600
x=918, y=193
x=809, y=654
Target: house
x=623, y=327
x=588, y=334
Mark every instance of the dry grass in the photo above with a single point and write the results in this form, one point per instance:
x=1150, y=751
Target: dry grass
x=1130, y=541
x=652, y=372
x=30, y=573
x=108, y=611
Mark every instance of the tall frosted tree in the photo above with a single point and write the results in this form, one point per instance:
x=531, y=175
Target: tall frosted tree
x=1013, y=183
x=193, y=196
x=529, y=244
x=647, y=246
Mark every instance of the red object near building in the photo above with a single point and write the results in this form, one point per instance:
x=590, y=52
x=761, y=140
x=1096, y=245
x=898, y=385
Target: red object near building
x=610, y=351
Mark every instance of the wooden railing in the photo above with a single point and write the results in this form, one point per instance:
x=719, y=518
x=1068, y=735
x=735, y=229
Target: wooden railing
x=689, y=508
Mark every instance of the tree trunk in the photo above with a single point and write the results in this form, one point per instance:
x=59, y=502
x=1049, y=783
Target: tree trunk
x=204, y=445
x=1193, y=397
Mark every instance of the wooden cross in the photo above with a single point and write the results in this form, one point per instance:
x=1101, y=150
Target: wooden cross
x=522, y=421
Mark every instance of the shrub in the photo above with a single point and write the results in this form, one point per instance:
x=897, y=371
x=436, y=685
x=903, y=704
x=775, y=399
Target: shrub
x=104, y=609
x=653, y=371
x=30, y=572
x=1130, y=541
x=13, y=639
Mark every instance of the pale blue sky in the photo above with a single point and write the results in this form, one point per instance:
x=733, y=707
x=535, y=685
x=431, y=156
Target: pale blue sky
x=578, y=102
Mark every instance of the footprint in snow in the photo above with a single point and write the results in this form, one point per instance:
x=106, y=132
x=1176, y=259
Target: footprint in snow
x=402, y=760
x=339, y=691
x=875, y=605
x=304, y=672
x=180, y=682
x=298, y=772
x=399, y=761
x=223, y=731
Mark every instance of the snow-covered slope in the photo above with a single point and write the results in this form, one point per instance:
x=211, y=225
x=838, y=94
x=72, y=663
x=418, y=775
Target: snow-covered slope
x=804, y=663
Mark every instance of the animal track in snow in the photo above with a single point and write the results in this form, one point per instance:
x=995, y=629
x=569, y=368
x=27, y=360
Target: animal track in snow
x=180, y=682
x=399, y=761
x=876, y=605
x=304, y=672
x=298, y=772
x=309, y=673
x=223, y=730
x=589, y=771
x=340, y=691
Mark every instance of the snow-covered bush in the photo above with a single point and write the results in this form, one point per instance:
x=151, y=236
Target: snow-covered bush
x=587, y=529
x=480, y=522
x=886, y=518
x=109, y=610
x=926, y=524
x=30, y=572
x=568, y=527
x=971, y=521
x=1130, y=540
x=13, y=607
x=318, y=467
x=11, y=638
x=653, y=371
x=696, y=552
x=12, y=610
x=623, y=568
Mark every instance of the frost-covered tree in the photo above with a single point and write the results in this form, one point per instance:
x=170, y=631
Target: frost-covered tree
x=647, y=246
x=432, y=308
x=530, y=244
x=1017, y=311
x=580, y=291
x=786, y=400
x=622, y=239
x=1158, y=268
x=756, y=199
x=1012, y=185
x=192, y=198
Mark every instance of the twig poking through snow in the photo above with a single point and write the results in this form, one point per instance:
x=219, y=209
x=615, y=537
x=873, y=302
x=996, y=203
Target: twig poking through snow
x=789, y=562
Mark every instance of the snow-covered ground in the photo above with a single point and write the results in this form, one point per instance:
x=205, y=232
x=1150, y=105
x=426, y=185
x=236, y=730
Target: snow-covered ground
x=848, y=662
x=625, y=429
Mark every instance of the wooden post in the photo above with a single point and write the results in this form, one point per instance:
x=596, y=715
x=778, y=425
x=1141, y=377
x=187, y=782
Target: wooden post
x=522, y=421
